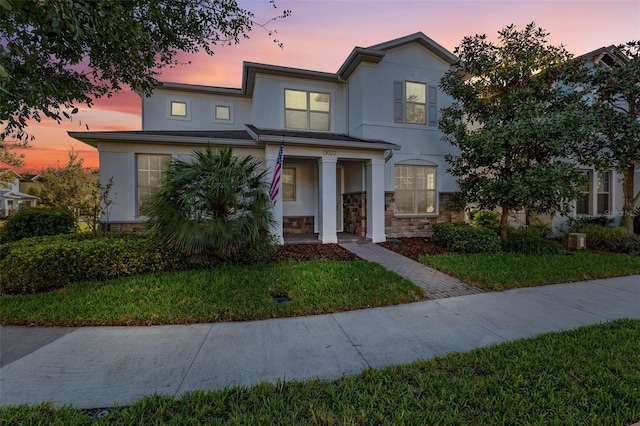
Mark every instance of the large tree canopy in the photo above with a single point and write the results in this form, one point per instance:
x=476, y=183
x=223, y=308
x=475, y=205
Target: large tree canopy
x=613, y=104
x=511, y=124
x=58, y=54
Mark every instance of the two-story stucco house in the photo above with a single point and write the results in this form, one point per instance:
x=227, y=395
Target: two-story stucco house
x=363, y=154
x=362, y=151
x=11, y=199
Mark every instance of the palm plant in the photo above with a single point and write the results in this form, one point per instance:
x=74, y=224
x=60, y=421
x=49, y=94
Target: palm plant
x=212, y=206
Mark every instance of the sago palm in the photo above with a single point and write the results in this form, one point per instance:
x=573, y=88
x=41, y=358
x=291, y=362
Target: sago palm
x=212, y=205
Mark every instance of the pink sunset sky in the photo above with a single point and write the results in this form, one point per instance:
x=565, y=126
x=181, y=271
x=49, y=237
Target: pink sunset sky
x=320, y=34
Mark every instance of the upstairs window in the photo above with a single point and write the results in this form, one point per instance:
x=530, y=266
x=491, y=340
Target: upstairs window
x=415, y=189
x=307, y=110
x=223, y=113
x=414, y=103
x=178, y=109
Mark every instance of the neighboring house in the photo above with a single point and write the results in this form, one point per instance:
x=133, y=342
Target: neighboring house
x=363, y=153
x=11, y=199
x=603, y=193
x=27, y=181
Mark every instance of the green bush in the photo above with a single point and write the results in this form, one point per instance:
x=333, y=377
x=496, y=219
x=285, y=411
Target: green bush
x=36, y=266
x=615, y=240
x=530, y=243
x=577, y=224
x=463, y=238
x=486, y=219
x=36, y=221
x=258, y=252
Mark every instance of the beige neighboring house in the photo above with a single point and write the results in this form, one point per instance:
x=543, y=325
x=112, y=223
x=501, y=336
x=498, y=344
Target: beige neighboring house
x=11, y=199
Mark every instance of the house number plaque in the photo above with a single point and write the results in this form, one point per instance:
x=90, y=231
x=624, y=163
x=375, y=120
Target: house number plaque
x=328, y=152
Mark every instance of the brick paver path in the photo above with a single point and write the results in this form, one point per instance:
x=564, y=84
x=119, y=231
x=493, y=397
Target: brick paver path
x=437, y=284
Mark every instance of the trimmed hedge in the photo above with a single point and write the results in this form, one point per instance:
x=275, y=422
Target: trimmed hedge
x=615, y=240
x=36, y=221
x=36, y=266
x=41, y=264
x=463, y=238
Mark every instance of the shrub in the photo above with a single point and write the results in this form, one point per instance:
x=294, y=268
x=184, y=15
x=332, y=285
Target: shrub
x=615, y=240
x=464, y=238
x=531, y=243
x=577, y=224
x=258, y=252
x=35, y=266
x=36, y=221
x=486, y=219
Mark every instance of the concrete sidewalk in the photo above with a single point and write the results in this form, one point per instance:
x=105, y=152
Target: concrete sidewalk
x=95, y=367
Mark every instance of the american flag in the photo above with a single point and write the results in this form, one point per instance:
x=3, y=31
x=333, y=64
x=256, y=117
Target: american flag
x=274, y=190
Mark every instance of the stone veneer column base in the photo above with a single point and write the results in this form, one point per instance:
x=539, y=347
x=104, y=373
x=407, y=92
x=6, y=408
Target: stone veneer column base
x=297, y=224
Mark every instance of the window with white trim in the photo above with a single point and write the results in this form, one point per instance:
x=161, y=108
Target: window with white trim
x=415, y=189
x=178, y=109
x=603, y=191
x=223, y=112
x=307, y=110
x=150, y=172
x=288, y=184
x=583, y=203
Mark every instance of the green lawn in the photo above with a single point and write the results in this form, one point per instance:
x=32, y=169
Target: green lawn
x=507, y=270
x=588, y=376
x=229, y=293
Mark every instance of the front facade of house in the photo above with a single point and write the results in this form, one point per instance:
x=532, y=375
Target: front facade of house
x=362, y=151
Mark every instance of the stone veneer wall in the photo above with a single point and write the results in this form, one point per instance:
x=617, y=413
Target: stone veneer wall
x=297, y=224
x=396, y=227
x=354, y=213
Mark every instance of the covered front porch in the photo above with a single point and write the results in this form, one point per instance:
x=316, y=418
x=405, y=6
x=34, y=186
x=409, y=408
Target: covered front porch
x=332, y=184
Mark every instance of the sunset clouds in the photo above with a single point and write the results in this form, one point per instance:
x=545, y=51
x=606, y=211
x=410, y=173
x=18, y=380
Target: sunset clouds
x=320, y=34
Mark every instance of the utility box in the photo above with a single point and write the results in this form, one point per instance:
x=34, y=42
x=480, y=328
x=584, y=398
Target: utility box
x=577, y=241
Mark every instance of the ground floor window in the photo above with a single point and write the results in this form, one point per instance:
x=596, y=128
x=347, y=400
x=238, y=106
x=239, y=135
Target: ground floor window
x=598, y=189
x=288, y=184
x=415, y=189
x=150, y=169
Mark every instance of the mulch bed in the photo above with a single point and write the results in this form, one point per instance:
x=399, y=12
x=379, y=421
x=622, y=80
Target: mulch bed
x=412, y=248
x=312, y=251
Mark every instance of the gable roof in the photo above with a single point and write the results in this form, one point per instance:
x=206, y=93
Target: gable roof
x=609, y=55
x=373, y=54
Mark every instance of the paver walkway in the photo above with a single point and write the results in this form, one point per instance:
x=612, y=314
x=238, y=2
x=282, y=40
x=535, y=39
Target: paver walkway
x=437, y=284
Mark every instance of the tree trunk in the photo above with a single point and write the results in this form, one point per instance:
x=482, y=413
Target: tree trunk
x=630, y=198
x=504, y=222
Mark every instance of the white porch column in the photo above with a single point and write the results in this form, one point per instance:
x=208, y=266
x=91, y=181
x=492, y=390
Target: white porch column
x=375, y=200
x=327, y=199
x=271, y=155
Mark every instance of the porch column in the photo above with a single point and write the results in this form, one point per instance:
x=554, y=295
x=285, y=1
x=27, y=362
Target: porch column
x=270, y=160
x=375, y=200
x=327, y=199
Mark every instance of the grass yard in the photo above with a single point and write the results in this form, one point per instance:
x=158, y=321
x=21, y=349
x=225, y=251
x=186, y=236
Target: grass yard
x=503, y=271
x=587, y=376
x=229, y=293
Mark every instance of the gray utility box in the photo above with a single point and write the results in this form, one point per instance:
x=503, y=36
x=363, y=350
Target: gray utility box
x=577, y=241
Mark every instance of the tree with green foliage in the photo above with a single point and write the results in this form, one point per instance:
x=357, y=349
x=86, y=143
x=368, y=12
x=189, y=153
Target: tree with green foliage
x=613, y=105
x=512, y=124
x=58, y=54
x=211, y=206
x=71, y=187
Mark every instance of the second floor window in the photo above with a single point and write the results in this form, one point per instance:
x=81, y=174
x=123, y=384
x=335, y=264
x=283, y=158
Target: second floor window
x=415, y=103
x=178, y=109
x=307, y=110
